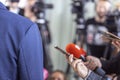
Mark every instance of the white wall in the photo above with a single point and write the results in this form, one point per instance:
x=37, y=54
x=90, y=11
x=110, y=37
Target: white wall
x=61, y=28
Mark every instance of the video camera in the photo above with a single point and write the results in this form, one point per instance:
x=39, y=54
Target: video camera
x=40, y=6
x=77, y=7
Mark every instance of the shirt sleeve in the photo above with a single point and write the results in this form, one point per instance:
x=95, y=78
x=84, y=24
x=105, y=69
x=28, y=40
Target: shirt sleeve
x=112, y=66
x=30, y=62
x=94, y=76
x=118, y=77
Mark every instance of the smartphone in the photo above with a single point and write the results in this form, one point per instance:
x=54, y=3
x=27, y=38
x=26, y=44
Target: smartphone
x=110, y=36
x=62, y=51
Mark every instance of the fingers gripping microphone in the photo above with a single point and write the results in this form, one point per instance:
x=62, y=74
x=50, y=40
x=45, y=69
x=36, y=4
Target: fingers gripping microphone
x=80, y=54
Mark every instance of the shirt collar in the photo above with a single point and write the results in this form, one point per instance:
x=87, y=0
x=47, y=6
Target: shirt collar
x=2, y=6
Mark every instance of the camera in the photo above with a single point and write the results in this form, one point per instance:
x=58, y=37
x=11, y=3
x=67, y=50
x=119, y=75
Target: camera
x=40, y=7
x=77, y=7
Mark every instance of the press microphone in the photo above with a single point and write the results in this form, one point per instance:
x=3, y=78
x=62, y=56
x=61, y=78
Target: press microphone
x=81, y=54
x=76, y=51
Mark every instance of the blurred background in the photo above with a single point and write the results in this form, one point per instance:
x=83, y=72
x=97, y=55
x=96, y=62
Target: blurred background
x=65, y=21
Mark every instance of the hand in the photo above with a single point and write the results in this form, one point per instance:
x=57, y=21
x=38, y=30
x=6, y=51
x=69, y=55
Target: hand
x=117, y=46
x=105, y=39
x=78, y=66
x=92, y=62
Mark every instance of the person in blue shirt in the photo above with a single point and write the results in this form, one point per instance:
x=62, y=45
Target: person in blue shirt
x=21, y=52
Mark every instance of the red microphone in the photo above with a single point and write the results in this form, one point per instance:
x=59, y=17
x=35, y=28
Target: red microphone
x=76, y=51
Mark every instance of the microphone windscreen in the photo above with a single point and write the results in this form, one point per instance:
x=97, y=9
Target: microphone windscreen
x=75, y=50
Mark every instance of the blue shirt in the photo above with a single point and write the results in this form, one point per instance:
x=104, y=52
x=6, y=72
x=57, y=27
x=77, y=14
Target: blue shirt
x=21, y=52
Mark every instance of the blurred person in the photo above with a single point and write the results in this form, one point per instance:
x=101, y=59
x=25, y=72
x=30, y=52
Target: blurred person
x=44, y=29
x=21, y=51
x=58, y=75
x=13, y=7
x=31, y=2
x=94, y=26
x=28, y=10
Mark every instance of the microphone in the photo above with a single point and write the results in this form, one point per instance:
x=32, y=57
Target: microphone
x=76, y=51
x=81, y=54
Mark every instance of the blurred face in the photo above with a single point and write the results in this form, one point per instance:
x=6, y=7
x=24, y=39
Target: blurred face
x=31, y=2
x=14, y=4
x=102, y=8
x=57, y=76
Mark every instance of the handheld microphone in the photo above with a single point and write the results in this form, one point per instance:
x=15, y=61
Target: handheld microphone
x=76, y=51
x=80, y=54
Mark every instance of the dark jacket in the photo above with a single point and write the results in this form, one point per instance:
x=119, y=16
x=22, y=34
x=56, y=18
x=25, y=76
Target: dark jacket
x=95, y=45
x=111, y=66
x=21, y=53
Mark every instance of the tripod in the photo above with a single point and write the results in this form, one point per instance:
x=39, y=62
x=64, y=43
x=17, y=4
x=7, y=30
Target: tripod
x=39, y=9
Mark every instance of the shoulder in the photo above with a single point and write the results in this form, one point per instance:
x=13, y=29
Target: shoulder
x=18, y=18
x=15, y=25
x=14, y=20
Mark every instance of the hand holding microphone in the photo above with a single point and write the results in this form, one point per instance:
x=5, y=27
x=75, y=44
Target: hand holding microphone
x=78, y=66
x=90, y=61
x=81, y=54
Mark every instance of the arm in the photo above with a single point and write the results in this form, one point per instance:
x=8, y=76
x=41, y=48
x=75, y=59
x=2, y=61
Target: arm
x=94, y=76
x=30, y=63
x=79, y=67
x=112, y=66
